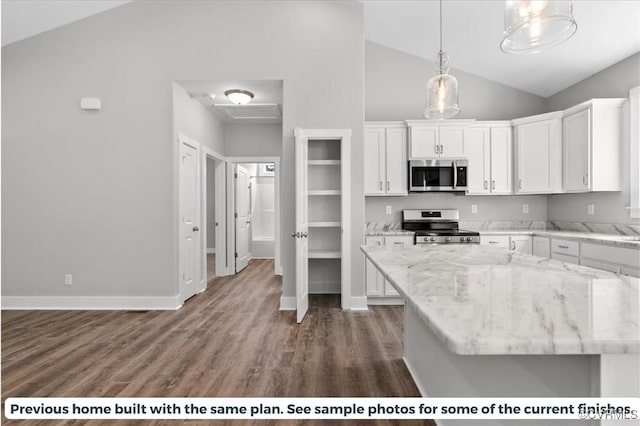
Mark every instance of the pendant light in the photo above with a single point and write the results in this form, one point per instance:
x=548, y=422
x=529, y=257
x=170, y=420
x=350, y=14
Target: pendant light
x=531, y=26
x=442, y=89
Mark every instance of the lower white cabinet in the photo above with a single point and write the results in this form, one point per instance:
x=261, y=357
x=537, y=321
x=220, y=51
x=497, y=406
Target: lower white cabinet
x=620, y=260
x=542, y=247
x=379, y=289
x=565, y=251
x=516, y=243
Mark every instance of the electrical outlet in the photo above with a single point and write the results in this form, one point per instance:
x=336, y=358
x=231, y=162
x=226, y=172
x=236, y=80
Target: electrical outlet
x=474, y=208
x=388, y=209
x=68, y=279
x=591, y=209
x=525, y=208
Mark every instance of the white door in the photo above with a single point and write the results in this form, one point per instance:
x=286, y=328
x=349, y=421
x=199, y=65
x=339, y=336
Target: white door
x=501, y=160
x=190, y=244
x=396, y=161
x=373, y=166
x=478, y=155
x=302, y=228
x=452, y=141
x=242, y=217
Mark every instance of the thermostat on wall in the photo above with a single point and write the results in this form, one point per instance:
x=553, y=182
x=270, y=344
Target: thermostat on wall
x=91, y=103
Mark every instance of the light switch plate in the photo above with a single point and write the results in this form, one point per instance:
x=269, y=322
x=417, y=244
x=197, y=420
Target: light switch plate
x=474, y=208
x=591, y=209
x=388, y=209
x=525, y=208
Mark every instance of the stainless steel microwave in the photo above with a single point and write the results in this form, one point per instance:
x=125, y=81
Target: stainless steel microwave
x=438, y=175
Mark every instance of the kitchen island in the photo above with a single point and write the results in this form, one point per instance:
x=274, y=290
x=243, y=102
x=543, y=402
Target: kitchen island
x=483, y=322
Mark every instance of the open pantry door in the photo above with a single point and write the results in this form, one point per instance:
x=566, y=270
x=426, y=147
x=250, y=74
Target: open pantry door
x=302, y=226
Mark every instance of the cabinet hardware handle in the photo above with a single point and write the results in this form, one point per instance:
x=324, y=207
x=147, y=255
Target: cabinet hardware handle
x=388, y=186
x=519, y=183
x=435, y=149
x=493, y=242
x=513, y=245
x=380, y=185
x=441, y=149
x=493, y=184
x=486, y=184
x=564, y=247
x=398, y=242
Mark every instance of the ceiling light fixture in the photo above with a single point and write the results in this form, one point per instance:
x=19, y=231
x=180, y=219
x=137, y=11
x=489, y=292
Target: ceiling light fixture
x=239, y=96
x=442, y=90
x=531, y=26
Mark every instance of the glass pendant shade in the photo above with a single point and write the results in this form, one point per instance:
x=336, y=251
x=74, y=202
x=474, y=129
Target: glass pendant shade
x=534, y=25
x=442, y=92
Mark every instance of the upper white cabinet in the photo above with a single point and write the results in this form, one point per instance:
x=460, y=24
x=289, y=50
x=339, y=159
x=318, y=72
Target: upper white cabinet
x=592, y=143
x=538, y=154
x=428, y=139
x=385, y=159
x=489, y=152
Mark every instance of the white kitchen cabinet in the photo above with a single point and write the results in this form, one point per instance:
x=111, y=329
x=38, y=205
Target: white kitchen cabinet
x=428, y=139
x=605, y=266
x=538, y=154
x=592, y=135
x=379, y=290
x=516, y=243
x=542, y=247
x=565, y=251
x=611, y=258
x=490, y=159
x=385, y=159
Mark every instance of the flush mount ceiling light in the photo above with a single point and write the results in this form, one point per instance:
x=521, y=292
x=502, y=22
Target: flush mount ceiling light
x=239, y=96
x=442, y=90
x=531, y=26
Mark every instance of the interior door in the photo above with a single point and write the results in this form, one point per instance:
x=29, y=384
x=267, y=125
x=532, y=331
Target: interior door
x=242, y=217
x=190, y=244
x=302, y=228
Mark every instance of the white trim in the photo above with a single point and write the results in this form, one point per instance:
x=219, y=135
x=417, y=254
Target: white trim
x=385, y=301
x=219, y=206
x=259, y=257
x=287, y=303
x=358, y=304
x=91, y=303
x=211, y=250
x=634, y=152
x=277, y=214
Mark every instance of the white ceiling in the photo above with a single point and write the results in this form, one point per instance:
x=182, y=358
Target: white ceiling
x=608, y=31
x=264, y=91
x=25, y=18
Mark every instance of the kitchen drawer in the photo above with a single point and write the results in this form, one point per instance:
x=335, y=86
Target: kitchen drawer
x=374, y=241
x=634, y=272
x=569, y=248
x=565, y=258
x=500, y=241
x=620, y=255
x=605, y=266
x=399, y=240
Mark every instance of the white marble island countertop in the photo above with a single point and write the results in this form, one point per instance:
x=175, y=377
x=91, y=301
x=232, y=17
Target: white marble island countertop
x=481, y=300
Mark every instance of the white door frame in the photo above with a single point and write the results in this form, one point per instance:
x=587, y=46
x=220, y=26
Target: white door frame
x=202, y=279
x=222, y=253
x=231, y=245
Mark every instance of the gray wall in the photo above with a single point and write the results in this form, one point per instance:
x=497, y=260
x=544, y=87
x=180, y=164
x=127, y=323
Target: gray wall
x=95, y=194
x=195, y=121
x=395, y=90
x=253, y=140
x=610, y=207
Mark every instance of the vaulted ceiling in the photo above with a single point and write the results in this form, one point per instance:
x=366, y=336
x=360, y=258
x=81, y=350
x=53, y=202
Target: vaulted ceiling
x=608, y=31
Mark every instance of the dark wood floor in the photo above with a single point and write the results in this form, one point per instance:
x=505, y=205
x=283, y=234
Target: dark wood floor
x=229, y=341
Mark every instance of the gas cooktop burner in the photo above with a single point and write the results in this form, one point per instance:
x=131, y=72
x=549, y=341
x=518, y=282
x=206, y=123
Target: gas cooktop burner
x=437, y=227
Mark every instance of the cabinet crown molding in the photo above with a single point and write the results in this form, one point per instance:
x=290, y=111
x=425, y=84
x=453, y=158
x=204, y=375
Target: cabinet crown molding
x=535, y=118
x=607, y=102
x=417, y=123
x=385, y=124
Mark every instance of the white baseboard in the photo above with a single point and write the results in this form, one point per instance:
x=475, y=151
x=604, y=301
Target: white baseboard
x=88, y=303
x=211, y=251
x=288, y=303
x=359, y=304
x=258, y=257
x=389, y=301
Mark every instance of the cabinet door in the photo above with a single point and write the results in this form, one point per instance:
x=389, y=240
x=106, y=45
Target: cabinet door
x=564, y=258
x=605, y=266
x=396, y=162
x=499, y=241
x=478, y=173
x=576, y=136
x=521, y=244
x=535, y=145
x=424, y=142
x=501, y=176
x=542, y=247
x=374, y=142
x=374, y=280
x=452, y=140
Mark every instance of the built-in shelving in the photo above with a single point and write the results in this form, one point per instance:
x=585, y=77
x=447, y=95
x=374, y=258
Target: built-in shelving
x=325, y=254
x=324, y=162
x=317, y=192
x=325, y=224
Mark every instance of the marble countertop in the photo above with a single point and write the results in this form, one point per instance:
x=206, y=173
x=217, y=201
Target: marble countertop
x=390, y=233
x=482, y=300
x=612, y=239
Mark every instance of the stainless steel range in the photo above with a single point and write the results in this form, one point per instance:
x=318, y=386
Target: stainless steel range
x=437, y=227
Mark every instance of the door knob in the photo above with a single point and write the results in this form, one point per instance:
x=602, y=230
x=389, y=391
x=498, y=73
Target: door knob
x=195, y=229
x=304, y=235
x=295, y=235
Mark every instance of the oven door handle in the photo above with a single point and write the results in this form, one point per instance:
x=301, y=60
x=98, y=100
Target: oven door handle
x=455, y=175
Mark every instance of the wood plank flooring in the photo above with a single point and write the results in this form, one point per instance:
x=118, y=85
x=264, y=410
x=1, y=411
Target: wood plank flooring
x=229, y=341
